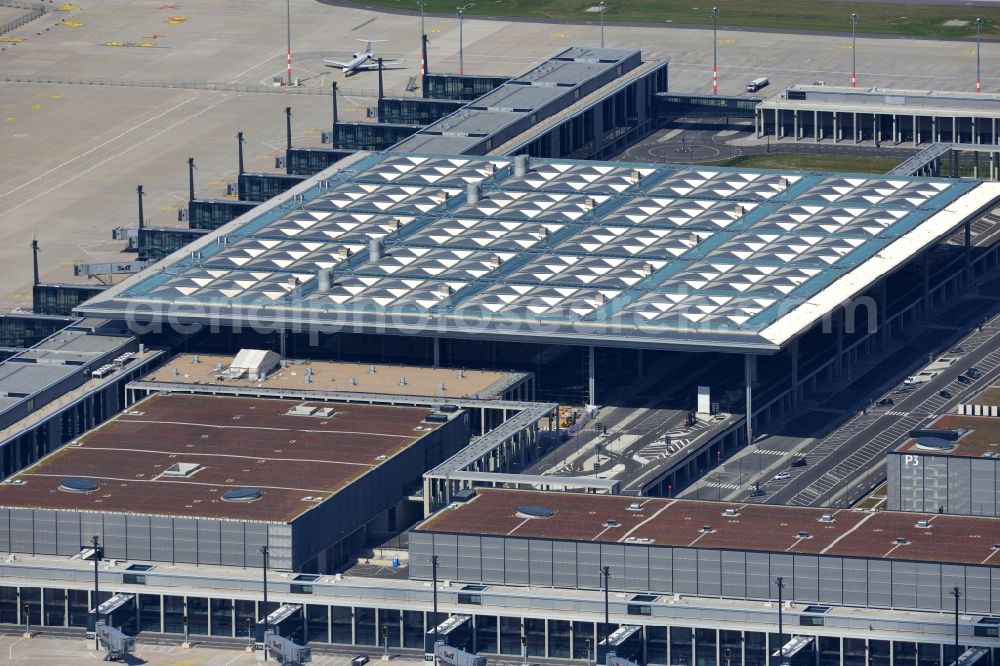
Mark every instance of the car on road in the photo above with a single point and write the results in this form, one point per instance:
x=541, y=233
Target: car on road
x=757, y=492
x=975, y=373
x=957, y=350
x=799, y=462
x=945, y=394
x=962, y=379
x=360, y=660
x=906, y=389
x=886, y=402
x=781, y=476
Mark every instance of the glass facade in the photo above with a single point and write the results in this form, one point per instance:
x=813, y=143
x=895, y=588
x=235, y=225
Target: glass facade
x=26, y=330
x=54, y=607
x=370, y=136
x=214, y=214
x=262, y=186
x=222, y=617
x=78, y=602
x=310, y=161
x=465, y=87
x=318, y=623
x=60, y=299
x=413, y=629
x=157, y=243
x=543, y=638
x=672, y=105
x=246, y=617
x=559, y=639
x=197, y=612
x=414, y=111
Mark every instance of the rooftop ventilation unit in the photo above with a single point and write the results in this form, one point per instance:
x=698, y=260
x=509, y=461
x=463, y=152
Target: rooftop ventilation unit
x=520, y=166
x=611, y=522
x=77, y=485
x=460, y=373
x=826, y=518
x=707, y=529
x=182, y=470
x=437, y=417
x=902, y=541
x=535, y=511
x=448, y=409
x=730, y=513
x=375, y=249
x=923, y=524
x=635, y=506
x=243, y=495
x=804, y=534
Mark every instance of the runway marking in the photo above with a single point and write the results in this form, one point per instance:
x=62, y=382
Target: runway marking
x=80, y=173
x=10, y=119
x=69, y=23
x=175, y=20
x=361, y=25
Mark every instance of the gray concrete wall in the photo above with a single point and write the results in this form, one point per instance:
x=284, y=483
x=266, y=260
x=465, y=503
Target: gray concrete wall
x=205, y=541
x=943, y=484
x=732, y=574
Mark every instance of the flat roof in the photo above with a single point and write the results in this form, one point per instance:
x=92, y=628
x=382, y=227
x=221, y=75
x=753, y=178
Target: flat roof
x=756, y=527
x=983, y=437
x=887, y=100
x=238, y=442
x=338, y=376
x=558, y=77
x=640, y=255
x=990, y=396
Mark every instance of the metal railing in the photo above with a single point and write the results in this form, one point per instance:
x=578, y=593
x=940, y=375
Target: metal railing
x=222, y=86
x=36, y=10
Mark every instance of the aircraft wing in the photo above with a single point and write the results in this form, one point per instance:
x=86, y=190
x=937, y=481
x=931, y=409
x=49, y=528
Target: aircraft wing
x=334, y=63
x=386, y=64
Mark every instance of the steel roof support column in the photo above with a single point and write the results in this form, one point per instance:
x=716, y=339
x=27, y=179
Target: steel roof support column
x=968, y=247
x=747, y=359
x=591, y=379
x=437, y=352
x=883, y=304
x=793, y=351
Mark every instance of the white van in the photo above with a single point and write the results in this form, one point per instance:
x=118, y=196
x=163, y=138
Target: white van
x=757, y=84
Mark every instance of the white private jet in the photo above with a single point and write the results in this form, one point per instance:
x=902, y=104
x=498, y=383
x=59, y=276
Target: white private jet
x=363, y=60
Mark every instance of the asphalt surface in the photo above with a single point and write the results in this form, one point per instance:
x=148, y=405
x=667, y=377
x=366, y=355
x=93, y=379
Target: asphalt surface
x=848, y=462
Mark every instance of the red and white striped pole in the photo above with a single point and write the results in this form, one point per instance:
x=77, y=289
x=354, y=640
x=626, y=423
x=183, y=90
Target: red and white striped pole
x=715, y=81
x=288, y=26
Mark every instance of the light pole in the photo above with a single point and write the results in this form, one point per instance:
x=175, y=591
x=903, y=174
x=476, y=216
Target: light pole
x=423, y=38
x=461, y=57
x=958, y=595
x=288, y=30
x=434, y=592
x=979, y=29
x=603, y=7
x=98, y=554
x=606, y=572
x=780, y=582
x=854, y=51
x=715, y=50
x=264, y=553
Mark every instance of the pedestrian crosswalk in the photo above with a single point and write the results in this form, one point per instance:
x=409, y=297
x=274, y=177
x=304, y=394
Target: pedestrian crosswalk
x=726, y=486
x=769, y=452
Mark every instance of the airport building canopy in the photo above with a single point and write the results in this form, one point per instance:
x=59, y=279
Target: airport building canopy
x=515, y=106
x=616, y=254
x=886, y=101
x=718, y=526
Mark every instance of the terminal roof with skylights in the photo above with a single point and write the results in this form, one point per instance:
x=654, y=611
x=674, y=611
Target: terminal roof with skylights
x=658, y=256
